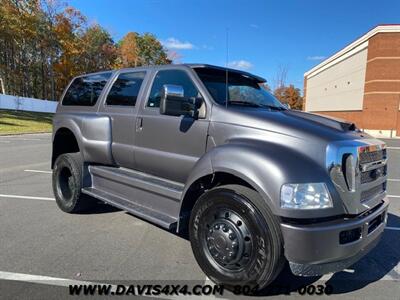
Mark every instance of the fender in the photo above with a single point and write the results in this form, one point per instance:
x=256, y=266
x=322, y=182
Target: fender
x=266, y=167
x=92, y=132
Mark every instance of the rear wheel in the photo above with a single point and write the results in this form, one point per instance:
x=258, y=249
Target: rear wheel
x=235, y=238
x=67, y=183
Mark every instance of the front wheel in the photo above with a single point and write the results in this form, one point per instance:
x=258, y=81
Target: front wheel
x=235, y=238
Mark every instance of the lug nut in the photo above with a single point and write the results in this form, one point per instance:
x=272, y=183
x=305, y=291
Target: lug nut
x=216, y=227
x=231, y=236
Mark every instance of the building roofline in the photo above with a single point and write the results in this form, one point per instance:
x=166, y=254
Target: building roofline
x=349, y=49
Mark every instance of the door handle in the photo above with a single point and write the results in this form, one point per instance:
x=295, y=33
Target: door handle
x=139, y=124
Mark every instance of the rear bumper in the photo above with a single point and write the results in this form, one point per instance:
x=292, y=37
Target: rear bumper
x=332, y=246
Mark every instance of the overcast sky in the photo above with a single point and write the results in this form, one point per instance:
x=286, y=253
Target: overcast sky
x=263, y=35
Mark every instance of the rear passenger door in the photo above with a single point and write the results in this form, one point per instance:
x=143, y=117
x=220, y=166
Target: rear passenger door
x=121, y=106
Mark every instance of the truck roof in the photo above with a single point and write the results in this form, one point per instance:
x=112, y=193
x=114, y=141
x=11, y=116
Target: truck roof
x=192, y=66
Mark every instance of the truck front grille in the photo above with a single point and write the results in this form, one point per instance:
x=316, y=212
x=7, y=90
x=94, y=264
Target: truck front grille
x=368, y=157
x=372, y=165
x=372, y=192
x=372, y=175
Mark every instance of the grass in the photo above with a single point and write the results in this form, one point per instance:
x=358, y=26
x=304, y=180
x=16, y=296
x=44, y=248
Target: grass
x=17, y=122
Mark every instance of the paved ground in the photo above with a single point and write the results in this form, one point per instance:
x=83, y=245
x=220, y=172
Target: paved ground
x=42, y=249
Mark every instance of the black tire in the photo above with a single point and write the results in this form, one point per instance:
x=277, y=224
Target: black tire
x=67, y=183
x=235, y=213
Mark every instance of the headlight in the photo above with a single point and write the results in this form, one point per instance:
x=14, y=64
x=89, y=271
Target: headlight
x=305, y=196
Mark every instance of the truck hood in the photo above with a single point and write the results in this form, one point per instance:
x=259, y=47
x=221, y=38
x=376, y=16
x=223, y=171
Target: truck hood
x=289, y=122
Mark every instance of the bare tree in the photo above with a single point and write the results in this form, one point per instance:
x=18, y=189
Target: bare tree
x=281, y=76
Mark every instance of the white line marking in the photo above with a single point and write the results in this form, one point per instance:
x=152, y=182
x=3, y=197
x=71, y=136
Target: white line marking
x=392, y=228
x=5, y=142
x=326, y=277
x=393, y=196
x=26, y=197
x=395, y=180
x=393, y=148
x=64, y=282
x=390, y=276
x=38, y=171
x=40, y=279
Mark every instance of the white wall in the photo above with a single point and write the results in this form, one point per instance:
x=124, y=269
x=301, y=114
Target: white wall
x=27, y=104
x=339, y=87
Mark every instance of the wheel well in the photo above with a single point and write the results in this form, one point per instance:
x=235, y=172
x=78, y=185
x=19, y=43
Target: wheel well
x=64, y=142
x=199, y=187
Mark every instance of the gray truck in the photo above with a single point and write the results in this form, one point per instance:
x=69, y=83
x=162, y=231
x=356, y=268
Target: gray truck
x=207, y=151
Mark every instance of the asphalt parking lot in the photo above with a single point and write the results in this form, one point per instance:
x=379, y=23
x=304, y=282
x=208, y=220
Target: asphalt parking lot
x=44, y=250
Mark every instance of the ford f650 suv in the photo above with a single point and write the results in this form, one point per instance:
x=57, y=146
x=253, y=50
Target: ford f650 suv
x=206, y=150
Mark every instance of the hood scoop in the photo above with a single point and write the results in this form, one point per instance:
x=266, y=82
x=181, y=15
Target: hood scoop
x=336, y=123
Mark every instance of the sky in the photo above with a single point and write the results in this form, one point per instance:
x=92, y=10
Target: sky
x=263, y=36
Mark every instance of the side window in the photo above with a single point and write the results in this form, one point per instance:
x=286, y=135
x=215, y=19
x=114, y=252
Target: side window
x=84, y=91
x=125, y=89
x=176, y=77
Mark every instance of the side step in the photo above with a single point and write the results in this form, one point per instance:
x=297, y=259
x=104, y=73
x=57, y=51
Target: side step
x=137, y=210
x=149, y=197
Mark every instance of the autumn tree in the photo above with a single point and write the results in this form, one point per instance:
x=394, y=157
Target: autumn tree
x=44, y=44
x=98, y=50
x=151, y=52
x=128, y=51
x=289, y=95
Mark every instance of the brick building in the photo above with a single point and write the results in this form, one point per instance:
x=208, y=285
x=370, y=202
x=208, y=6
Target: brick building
x=360, y=83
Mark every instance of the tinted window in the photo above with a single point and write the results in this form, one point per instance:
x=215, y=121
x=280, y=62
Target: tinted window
x=84, y=91
x=175, y=77
x=243, y=90
x=125, y=89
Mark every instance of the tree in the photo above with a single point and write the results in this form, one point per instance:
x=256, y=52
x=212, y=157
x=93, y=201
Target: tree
x=280, y=76
x=289, y=95
x=128, y=50
x=151, y=52
x=44, y=44
x=99, y=52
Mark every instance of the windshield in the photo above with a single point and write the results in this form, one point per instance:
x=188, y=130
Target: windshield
x=242, y=90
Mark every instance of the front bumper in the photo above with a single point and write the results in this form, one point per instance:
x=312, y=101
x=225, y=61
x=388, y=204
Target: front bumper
x=320, y=248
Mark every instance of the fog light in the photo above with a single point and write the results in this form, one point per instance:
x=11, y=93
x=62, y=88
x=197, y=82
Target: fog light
x=349, y=236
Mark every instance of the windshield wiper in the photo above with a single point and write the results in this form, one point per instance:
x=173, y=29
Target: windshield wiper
x=252, y=104
x=273, y=107
x=244, y=103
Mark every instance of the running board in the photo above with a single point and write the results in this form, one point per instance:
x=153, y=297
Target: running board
x=137, y=210
x=149, y=197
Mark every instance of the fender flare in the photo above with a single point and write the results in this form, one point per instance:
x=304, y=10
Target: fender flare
x=265, y=167
x=93, y=134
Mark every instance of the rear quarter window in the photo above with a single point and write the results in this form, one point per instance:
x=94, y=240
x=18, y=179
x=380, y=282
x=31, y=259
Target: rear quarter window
x=85, y=90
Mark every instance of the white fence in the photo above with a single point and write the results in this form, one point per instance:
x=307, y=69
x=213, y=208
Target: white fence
x=27, y=104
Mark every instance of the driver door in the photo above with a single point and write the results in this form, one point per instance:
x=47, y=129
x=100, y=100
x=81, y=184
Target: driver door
x=169, y=146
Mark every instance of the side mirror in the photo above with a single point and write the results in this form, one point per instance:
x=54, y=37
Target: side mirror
x=287, y=105
x=173, y=102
